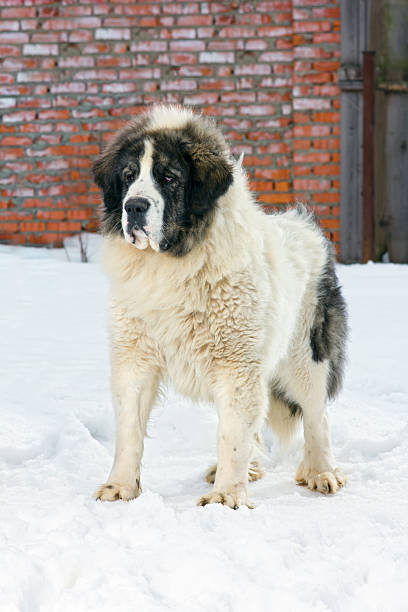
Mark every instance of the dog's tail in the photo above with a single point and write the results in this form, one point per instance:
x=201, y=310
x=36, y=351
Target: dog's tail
x=284, y=415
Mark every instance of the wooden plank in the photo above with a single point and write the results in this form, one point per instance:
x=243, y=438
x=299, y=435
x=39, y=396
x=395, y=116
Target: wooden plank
x=351, y=221
x=368, y=154
x=397, y=176
x=354, y=21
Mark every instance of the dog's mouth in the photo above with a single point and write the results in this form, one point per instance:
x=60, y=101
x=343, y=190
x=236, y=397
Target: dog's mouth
x=142, y=238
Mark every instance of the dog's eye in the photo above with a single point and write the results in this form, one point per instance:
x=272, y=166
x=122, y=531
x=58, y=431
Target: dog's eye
x=169, y=179
x=128, y=176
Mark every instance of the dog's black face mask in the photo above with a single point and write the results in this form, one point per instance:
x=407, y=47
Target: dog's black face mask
x=161, y=186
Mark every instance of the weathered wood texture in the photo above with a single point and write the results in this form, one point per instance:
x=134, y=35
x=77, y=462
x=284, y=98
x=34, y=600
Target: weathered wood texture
x=389, y=37
x=380, y=26
x=354, y=15
x=368, y=154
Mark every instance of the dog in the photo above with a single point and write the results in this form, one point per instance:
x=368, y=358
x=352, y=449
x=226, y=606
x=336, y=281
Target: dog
x=231, y=305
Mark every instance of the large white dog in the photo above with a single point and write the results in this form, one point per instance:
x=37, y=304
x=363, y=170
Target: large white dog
x=229, y=304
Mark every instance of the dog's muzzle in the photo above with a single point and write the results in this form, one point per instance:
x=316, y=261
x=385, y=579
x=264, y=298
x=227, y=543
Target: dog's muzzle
x=136, y=210
x=138, y=230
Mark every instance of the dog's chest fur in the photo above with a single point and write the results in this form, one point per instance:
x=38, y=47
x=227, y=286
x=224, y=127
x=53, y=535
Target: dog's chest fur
x=195, y=325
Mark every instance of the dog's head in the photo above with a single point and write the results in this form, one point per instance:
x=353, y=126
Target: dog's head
x=161, y=177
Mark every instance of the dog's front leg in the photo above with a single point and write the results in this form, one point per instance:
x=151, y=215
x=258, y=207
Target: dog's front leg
x=135, y=379
x=241, y=402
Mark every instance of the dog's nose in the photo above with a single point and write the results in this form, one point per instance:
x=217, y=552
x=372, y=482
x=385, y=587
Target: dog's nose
x=137, y=206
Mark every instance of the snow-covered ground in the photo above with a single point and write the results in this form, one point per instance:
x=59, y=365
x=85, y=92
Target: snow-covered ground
x=60, y=550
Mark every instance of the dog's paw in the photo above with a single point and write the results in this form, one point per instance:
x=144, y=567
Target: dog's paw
x=112, y=491
x=324, y=482
x=255, y=472
x=233, y=498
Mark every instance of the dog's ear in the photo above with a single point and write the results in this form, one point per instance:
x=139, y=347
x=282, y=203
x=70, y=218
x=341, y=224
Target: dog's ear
x=210, y=175
x=106, y=177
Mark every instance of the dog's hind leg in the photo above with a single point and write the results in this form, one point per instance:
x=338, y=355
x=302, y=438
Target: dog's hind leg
x=241, y=401
x=307, y=382
x=255, y=471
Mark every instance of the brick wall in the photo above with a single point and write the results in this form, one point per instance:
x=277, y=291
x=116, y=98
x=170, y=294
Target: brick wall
x=71, y=72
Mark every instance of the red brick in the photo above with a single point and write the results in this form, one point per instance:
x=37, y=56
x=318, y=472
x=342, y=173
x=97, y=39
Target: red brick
x=199, y=71
x=327, y=170
x=311, y=184
x=304, y=158
x=8, y=227
x=326, y=117
x=311, y=104
x=311, y=26
x=15, y=141
x=64, y=226
x=327, y=12
x=178, y=84
x=36, y=127
x=216, y=57
x=301, y=145
x=282, y=186
x=19, y=116
x=41, y=77
x=201, y=98
x=253, y=160
x=276, y=56
x=261, y=186
x=32, y=226
x=276, y=198
x=112, y=34
x=9, y=50
x=309, y=78
x=256, y=45
x=7, y=102
x=272, y=174
x=330, y=223
x=9, y=26
x=194, y=20
x=272, y=31
x=311, y=130
x=148, y=45
x=322, y=38
x=54, y=114
x=326, y=66
x=302, y=170
x=38, y=49
x=257, y=109
x=330, y=143
x=225, y=45
x=50, y=239
x=13, y=38
x=17, y=12
x=237, y=32
x=301, y=14
x=326, y=90
x=71, y=24
x=238, y=97
x=253, y=69
x=80, y=213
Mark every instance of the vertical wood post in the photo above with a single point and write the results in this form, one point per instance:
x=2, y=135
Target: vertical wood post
x=368, y=154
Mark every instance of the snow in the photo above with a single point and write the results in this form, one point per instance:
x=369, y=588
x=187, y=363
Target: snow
x=297, y=551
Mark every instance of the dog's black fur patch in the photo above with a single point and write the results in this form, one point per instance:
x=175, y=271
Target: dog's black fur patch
x=126, y=146
x=193, y=154
x=329, y=330
x=280, y=394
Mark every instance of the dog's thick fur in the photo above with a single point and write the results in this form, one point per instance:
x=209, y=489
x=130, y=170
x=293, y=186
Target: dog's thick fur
x=229, y=304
